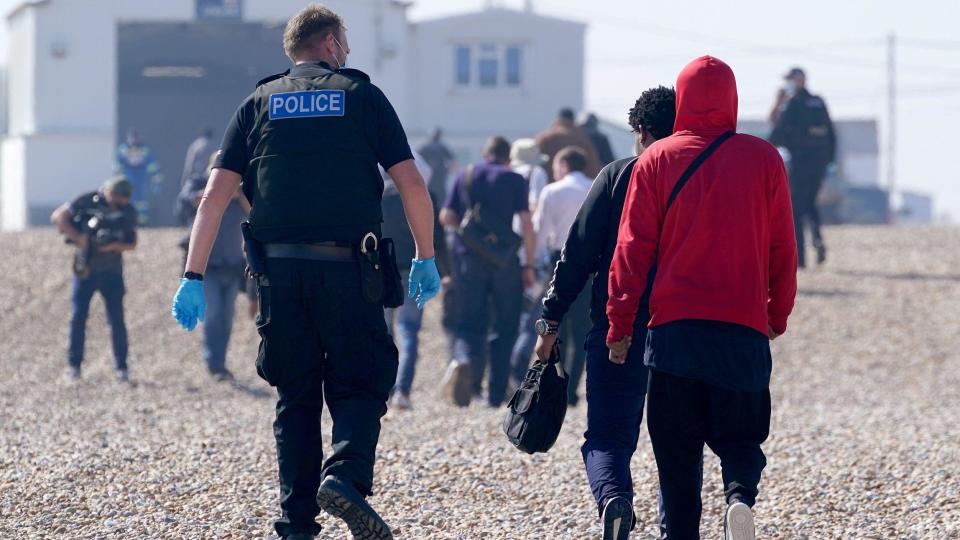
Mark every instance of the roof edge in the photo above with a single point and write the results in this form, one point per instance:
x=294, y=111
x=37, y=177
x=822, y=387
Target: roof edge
x=22, y=6
x=503, y=10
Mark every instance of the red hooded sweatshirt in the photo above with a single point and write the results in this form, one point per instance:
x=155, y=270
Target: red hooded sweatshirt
x=727, y=251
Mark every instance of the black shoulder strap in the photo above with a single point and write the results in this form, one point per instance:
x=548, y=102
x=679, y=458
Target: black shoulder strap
x=692, y=168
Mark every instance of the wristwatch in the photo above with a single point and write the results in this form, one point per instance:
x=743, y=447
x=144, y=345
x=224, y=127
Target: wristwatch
x=193, y=276
x=544, y=327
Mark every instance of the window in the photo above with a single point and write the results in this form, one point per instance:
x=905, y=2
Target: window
x=463, y=65
x=488, y=65
x=513, y=66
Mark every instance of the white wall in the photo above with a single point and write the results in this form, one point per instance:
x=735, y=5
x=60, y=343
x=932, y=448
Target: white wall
x=20, y=73
x=13, y=214
x=552, y=74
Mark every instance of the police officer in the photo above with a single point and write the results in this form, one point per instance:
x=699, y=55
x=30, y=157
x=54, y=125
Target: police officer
x=802, y=125
x=306, y=144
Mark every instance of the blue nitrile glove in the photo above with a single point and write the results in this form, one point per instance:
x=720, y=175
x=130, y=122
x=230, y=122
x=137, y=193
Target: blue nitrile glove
x=423, y=275
x=189, y=304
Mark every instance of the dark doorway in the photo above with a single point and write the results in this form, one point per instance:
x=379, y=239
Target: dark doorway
x=176, y=78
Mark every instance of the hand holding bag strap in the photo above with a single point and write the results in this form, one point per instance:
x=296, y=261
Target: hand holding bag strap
x=694, y=165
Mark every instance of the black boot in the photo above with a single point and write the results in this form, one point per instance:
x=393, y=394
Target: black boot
x=341, y=500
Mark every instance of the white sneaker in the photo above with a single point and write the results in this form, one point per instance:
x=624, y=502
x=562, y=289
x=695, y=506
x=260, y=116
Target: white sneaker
x=739, y=522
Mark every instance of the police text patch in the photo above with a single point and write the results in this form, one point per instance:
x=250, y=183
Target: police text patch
x=307, y=104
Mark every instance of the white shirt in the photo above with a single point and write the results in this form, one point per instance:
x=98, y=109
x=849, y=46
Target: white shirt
x=537, y=177
x=557, y=210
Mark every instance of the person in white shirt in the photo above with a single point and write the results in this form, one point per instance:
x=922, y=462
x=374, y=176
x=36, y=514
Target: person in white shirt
x=556, y=211
x=526, y=160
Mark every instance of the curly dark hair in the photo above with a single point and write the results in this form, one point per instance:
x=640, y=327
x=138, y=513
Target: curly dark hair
x=655, y=111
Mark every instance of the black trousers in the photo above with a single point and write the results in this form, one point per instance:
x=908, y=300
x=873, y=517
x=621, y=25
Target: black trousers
x=321, y=339
x=684, y=414
x=806, y=178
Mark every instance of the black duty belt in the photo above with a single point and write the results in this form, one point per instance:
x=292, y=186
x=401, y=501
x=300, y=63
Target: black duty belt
x=315, y=252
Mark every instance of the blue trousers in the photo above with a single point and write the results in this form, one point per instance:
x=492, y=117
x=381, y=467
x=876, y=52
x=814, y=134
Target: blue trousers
x=220, y=287
x=526, y=342
x=408, y=322
x=615, y=396
x=481, y=286
x=111, y=288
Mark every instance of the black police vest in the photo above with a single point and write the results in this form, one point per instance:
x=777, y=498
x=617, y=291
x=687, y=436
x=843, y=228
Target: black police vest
x=312, y=160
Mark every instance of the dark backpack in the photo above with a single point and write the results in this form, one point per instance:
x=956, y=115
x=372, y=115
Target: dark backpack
x=489, y=239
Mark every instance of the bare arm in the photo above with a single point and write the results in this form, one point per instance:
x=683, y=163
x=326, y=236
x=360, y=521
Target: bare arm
x=220, y=190
x=449, y=218
x=61, y=218
x=416, y=205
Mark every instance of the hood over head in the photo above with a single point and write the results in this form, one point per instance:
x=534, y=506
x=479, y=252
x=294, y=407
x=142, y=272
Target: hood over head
x=706, y=97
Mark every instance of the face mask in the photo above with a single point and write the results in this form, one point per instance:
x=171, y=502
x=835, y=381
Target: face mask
x=790, y=86
x=344, y=64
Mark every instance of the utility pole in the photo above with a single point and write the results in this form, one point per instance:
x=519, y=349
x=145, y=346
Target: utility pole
x=891, y=118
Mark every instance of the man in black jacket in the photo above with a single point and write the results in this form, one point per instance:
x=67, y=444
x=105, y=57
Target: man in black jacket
x=802, y=125
x=615, y=392
x=408, y=317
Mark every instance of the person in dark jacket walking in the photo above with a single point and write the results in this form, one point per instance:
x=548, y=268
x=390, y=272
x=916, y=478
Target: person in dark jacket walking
x=590, y=126
x=441, y=161
x=615, y=393
x=561, y=134
x=725, y=284
x=493, y=190
x=408, y=317
x=803, y=126
x=225, y=269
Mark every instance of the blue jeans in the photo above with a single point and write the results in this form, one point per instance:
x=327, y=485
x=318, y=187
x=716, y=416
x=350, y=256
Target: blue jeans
x=220, y=287
x=526, y=341
x=481, y=286
x=111, y=288
x=408, y=318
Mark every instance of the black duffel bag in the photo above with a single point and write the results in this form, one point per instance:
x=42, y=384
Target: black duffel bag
x=536, y=411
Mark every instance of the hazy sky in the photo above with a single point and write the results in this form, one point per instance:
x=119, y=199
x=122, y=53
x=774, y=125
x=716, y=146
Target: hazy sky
x=634, y=44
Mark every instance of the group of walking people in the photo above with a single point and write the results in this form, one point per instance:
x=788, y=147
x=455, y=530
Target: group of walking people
x=690, y=245
x=692, y=252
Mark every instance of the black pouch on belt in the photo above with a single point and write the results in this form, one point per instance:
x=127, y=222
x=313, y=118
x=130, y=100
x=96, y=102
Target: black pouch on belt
x=253, y=251
x=371, y=269
x=393, y=292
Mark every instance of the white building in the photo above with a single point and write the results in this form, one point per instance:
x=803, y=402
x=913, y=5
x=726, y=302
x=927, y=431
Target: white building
x=915, y=208
x=858, y=148
x=81, y=73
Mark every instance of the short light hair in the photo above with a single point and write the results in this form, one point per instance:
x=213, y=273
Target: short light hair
x=313, y=21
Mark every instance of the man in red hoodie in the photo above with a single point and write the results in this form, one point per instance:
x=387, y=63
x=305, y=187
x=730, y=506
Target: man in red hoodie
x=726, y=261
